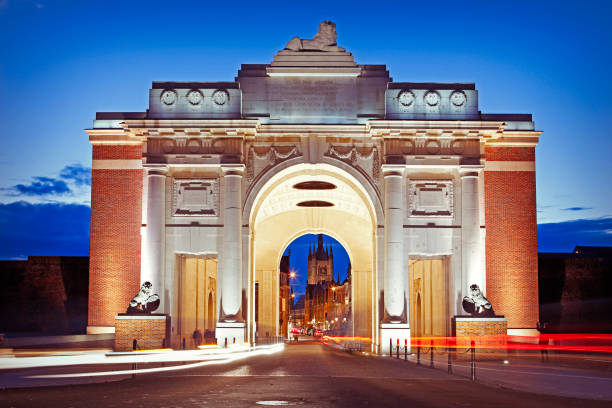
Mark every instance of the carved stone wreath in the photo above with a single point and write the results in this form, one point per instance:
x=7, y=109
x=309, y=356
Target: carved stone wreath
x=272, y=155
x=350, y=154
x=195, y=97
x=458, y=98
x=220, y=97
x=432, y=98
x=406, y=98
x=168, y=97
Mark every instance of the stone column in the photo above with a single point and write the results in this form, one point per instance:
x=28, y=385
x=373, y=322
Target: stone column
x=393, y=279
x=231, y=327
x=395, y=325
x=153, y=255
x=471, y=252
x=231, y=260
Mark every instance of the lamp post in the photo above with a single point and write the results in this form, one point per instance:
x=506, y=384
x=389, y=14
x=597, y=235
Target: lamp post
x=291, y=315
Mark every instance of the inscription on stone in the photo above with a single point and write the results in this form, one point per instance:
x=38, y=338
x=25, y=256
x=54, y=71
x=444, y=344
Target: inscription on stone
x=196, y=197
x=311, y=97
x=430, y=198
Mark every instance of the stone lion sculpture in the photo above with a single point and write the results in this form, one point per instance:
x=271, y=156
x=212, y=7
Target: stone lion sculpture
x=476, y=304
x=324, y=40
x=145, y=301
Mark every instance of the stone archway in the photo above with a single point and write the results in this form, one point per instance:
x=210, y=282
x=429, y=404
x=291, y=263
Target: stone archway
x=278, y=215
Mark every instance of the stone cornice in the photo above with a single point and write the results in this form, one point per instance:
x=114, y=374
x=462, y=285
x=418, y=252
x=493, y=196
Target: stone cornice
x=239, y=128
x=516, y=138
x=434, y=124
x=135, y=131
x=313, y=130
x=113, y=137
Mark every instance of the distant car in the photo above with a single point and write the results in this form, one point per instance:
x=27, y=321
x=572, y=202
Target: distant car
x=318, y=333
x=295, y=330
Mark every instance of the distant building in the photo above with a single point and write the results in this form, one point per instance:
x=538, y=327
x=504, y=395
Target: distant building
x=320, y=263
x=285, y=293
x=327, y=301
x=297, y=313
x=575, y=290
x=44, y=294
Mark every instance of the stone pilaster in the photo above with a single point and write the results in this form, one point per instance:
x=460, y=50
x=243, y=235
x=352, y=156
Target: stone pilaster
x=394, y=211
x=395, y=325
x=231, y=257
x=472, y=271
x=154, y=242
x=230, y=327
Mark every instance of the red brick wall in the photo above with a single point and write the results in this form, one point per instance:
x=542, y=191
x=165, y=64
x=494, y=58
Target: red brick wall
x=110, y=152
x=116, y=218
x=511, y=240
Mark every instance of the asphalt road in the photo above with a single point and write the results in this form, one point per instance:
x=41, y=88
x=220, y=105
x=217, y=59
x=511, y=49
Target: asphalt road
x=305, y=374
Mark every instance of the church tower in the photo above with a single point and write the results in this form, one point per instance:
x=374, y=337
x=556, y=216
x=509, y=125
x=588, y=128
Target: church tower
x=320, y=263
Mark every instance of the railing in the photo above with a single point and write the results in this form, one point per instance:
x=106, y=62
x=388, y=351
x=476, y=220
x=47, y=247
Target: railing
x=268, y=340
x=422, y=347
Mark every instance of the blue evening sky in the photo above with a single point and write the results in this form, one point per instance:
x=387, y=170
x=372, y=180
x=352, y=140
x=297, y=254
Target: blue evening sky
x=298, y=262
x=61, y=61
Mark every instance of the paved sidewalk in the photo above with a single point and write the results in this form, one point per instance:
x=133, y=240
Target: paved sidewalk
x=578, y=375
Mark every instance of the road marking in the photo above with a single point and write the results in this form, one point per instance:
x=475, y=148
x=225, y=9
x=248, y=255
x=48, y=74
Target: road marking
x=511, y=371
x=320, y=376
x=272, y=402
x=595, y=359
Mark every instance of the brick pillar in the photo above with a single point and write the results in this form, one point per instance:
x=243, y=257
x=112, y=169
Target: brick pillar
x=116, y=218
x=511, y=240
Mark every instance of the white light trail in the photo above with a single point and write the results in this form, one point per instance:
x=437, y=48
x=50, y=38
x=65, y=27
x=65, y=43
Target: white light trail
x=152, y=356
x=213, y=360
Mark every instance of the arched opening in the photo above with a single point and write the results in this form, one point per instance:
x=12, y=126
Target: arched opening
x=195, y=295
x=315, y=287
x=276, y=219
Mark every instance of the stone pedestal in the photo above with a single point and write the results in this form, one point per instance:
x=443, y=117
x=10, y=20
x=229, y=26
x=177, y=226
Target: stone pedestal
x=150, y=331
x=489, y=335
x=393, y=332
x=233, y=332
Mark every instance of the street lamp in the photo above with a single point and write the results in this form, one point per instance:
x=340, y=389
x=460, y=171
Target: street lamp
x=292, y=315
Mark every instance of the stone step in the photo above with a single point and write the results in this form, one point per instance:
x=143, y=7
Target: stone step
x=313, y=64
x=313, y=53
x=314, y=57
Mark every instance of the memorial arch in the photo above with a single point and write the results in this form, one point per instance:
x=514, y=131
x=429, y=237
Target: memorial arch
x=343, y=209
x=429, y=196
